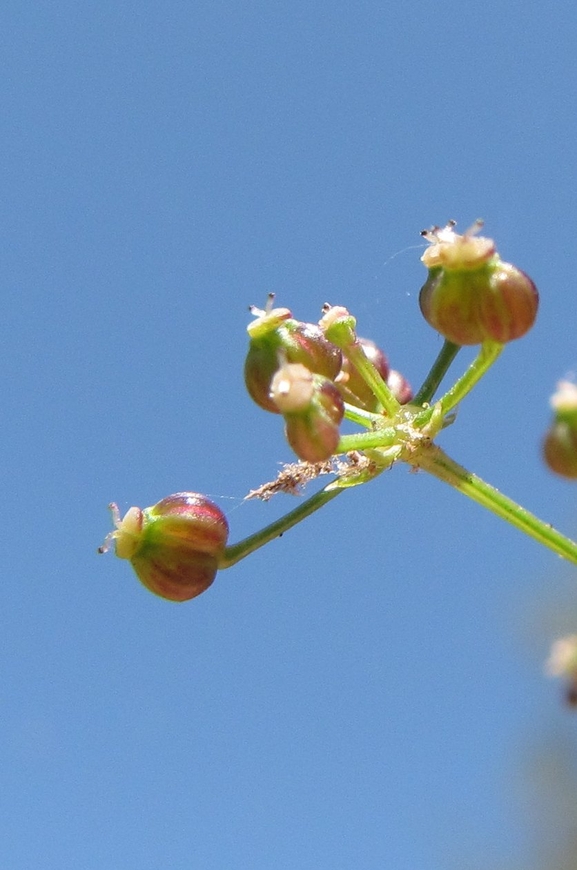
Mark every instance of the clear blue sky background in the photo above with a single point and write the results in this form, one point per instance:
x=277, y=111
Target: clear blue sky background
x=366, y=692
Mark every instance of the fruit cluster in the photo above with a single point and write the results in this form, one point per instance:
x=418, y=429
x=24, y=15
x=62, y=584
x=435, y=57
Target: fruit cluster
x=302, y=371
x=314, y=375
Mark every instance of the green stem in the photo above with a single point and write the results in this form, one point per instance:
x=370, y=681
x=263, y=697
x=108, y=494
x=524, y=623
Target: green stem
x=236, y=552
x=372, y=378
x=438, y=371
x=366, y=440
x=436, y=462
x=363, y=418
x=488, y=354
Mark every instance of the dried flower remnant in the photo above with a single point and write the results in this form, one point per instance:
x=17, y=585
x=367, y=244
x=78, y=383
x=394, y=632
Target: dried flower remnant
x=294, y=476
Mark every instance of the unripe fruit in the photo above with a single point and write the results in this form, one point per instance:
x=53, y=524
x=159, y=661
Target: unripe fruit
x=174, y=546
x=339, y=325
x=471, y=296
x=276, y=337
x=560, y=449
x=312, y=408
x=560, y=442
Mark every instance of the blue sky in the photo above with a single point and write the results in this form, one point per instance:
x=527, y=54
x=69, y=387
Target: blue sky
x=366, y=692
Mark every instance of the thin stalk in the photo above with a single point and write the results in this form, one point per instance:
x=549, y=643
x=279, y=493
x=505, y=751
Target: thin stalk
x=488, y=354
x=236, y=552
x=438, y=371
x=436, y=462
x=360, y=416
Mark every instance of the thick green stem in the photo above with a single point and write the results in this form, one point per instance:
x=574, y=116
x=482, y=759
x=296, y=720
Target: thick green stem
x=372, y=378
x=236, y=552
x=432, y=459
x=438, y=371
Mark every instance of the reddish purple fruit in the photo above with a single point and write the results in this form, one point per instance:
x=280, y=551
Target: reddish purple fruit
x=174, y=546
